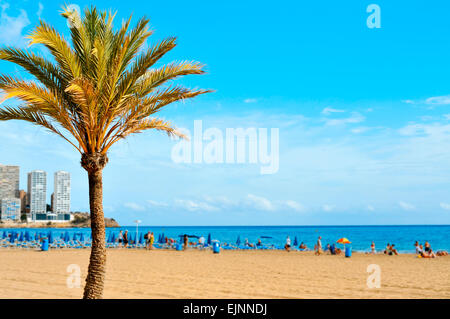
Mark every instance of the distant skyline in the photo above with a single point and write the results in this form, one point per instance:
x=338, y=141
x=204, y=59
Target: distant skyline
x=363, y=114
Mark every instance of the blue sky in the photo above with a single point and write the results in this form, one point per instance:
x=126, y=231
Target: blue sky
x=363, y=114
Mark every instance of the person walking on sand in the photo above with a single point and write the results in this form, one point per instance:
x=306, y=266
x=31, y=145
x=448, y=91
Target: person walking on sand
x=120, y=238
x=151, y=241
x=318, y=246
x=125, y=239
x=186, y=241
x=288, y=244
x=147, y=239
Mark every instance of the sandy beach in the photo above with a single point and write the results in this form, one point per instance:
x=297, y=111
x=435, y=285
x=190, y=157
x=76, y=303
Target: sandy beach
x=230, y=274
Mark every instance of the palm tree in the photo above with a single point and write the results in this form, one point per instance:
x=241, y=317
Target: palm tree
x=93, y=93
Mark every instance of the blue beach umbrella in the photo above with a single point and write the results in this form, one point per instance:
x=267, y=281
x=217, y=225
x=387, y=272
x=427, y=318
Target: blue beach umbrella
x=27, y=236
x=74, y=236
x=109, y=238
x=12, y=238
x=21, y=236
x=5, y=235
x=36, y=236
x=50, y=237
x=62, y=236
x=113, y=239
x=141, y=238
x=295, y=241
x=82, y=237
x=209, y=239
x=67, y=237
x=238, y=241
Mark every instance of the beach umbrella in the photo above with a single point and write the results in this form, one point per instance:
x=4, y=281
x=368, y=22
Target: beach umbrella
x=74, y=236
x=209, y=239
x=113, y=239
x=343, y=241
x=50, y=237
x=82, y=237
x=36, y=236
x=109, y=238
x=27, y=236
x=21, y=236
x=12, y=237
x=295, y=241
x=67, y=237
x=238, y=241
x=141, y=238
x=62, y=236
x=5, y=235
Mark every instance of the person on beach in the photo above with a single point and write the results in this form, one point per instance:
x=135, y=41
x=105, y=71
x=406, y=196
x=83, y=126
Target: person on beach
x=441, y=253
x=288, y=244
x=372, y=248
x=120, y=238
x=427, y=247
x=417, y=247
x=125, y=239
x=318, y=246
x=147, y=239
x=259, y=243
x=393, y=250
x=201, y=242
x=387, y=251
x=152, y=240
x=302, y=246
x=186, y=241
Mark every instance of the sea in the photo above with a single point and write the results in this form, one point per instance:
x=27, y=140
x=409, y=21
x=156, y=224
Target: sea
x=360, y=236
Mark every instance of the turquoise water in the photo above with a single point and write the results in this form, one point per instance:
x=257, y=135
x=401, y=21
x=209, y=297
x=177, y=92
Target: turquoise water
x=361, y=236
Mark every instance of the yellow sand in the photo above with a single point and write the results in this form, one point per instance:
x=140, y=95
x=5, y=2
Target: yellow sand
x=230, y=274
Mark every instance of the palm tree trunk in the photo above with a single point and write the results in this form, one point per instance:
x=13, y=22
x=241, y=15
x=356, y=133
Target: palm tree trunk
x=97, y=262
x=94, y=164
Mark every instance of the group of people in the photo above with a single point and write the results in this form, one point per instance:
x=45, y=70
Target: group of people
x=390, y=249
x=425, y=251
x=123, y=240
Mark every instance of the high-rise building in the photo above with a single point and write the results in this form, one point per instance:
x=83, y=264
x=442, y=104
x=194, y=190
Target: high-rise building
x=37, y=194
x=10, y=209
x=9, y=181
x=23, y=201
x=61, y=194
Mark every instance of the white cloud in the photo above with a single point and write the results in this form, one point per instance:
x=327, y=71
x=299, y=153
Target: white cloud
x=155, y=203
x=359, y=130
x=40, y=10
x=11, y=28
x=328, y=208
x=353, y=119
x=250, y=100
x=192, y=205
x=406, y=206
x=134, y=206
x=329, y=110
x=260, y=202
x=445, y=206
x=371, y=208
x=438, y=100
x=294, y=205
x=408, y=101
